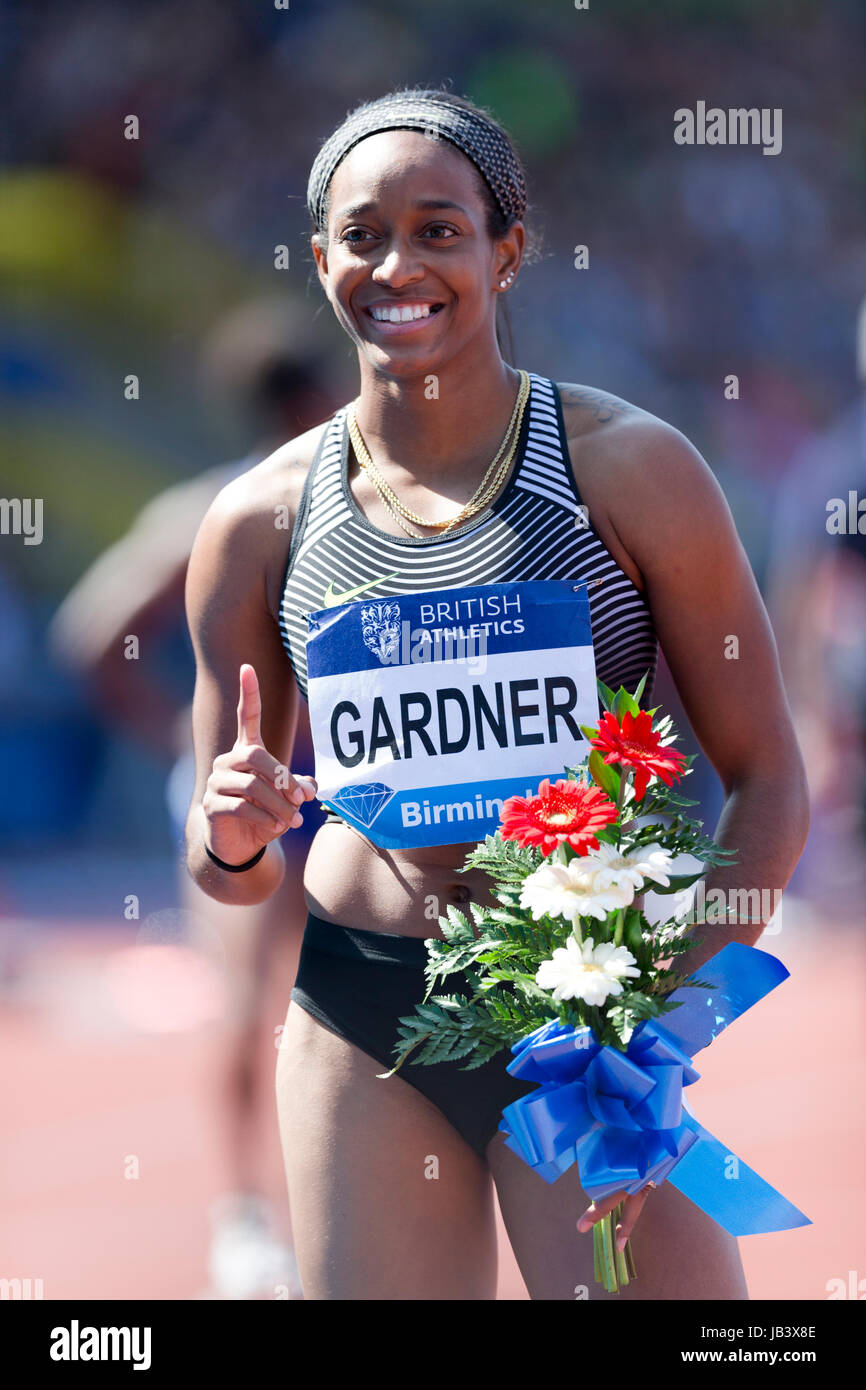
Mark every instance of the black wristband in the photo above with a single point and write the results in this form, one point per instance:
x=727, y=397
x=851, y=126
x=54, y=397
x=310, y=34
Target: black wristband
x=234, y=868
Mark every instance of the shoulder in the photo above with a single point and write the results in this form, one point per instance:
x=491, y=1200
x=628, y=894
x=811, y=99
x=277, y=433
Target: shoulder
x=599, y=424
x=246, y=530
x=638, y=472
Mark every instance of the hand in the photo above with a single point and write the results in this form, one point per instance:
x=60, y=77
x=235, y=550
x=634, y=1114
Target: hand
x=634, y=1204
x=243, y=806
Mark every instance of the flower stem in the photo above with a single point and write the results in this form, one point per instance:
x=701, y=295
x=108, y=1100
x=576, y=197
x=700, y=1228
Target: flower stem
x=609, y=1264
x=598, y=1253
x=612, y=1268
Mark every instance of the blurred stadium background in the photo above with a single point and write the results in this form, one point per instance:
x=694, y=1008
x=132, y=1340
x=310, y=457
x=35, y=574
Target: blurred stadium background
x=155, y=258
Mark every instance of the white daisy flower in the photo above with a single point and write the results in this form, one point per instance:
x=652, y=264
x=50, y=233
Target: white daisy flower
x=571, y=891
x=613, y=868
x=586, y=972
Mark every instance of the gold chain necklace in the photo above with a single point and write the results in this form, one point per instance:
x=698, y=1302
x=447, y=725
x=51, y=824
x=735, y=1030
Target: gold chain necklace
x=483, y=494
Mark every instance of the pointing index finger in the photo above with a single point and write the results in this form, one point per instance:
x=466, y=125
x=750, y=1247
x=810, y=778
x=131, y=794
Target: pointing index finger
x=249, y=707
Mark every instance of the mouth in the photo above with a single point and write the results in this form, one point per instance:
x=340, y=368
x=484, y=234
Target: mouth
x=396, y=320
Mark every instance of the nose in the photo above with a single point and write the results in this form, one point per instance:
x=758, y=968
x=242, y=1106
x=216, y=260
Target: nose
x=399, y=266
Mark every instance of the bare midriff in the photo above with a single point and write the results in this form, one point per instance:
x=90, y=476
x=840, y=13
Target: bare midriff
x=349, y=880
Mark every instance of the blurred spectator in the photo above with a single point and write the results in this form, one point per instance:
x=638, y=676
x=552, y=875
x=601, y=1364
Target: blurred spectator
x=817, y=599
x=136, y=588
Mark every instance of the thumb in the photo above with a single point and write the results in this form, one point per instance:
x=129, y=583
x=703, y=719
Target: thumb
x=249, y=707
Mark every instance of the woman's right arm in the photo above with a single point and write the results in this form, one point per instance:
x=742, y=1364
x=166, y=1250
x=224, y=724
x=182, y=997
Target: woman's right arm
x=243, y=719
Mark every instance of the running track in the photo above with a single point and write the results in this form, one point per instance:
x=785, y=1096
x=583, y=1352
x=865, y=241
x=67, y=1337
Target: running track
x=89, y=1082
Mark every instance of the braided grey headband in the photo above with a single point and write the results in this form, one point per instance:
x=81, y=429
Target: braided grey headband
x=488, y=149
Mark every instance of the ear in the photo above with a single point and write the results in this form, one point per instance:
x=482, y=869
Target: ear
x=509, y=251
x=320, y=252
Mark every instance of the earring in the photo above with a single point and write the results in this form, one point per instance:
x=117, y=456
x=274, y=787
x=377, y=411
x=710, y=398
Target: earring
x=503, y=283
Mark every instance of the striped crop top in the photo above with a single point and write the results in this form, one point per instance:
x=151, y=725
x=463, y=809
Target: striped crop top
x=537, y=528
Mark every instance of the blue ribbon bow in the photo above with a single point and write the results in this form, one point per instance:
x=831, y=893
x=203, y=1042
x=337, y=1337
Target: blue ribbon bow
x=621, y=1116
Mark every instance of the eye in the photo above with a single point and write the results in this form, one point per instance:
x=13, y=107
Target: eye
x=442, y=227
x=345, y=236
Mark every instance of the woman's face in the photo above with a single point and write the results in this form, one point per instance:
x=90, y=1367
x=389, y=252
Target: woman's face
x=390, y=250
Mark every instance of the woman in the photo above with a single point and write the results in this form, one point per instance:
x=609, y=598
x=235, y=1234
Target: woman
x=418, y=200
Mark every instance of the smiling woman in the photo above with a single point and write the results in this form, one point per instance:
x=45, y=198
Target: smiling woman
x=497, y=181
x=451, y=470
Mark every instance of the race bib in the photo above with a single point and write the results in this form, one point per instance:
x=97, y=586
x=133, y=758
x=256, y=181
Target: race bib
x=429, y=709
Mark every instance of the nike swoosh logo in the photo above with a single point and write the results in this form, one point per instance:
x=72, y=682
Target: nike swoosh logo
x=332, y=599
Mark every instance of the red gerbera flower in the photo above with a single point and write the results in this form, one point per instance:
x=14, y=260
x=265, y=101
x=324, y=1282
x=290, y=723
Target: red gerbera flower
x=568, y=810
x=634, y=744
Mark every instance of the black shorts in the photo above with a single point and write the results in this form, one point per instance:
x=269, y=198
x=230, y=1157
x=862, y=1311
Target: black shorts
x=359, y=983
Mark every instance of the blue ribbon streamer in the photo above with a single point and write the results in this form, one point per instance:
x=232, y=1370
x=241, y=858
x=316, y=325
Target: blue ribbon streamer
x=621, y=1115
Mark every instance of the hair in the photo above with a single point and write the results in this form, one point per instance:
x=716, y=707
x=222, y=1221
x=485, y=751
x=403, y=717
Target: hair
x=498, y=221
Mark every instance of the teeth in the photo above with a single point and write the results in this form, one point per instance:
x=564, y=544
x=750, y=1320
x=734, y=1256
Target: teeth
x=398, y=315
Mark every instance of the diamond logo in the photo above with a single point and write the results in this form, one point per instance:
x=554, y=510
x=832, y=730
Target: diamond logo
x=364, y=801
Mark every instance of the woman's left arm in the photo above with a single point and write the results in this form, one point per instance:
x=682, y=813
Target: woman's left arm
x=673, y=519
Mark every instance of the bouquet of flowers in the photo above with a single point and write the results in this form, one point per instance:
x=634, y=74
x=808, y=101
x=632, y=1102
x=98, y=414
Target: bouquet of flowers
x=567, y=972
